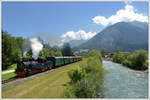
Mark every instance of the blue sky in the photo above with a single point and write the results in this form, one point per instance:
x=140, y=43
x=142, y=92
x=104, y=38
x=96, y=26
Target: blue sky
x=27, y=19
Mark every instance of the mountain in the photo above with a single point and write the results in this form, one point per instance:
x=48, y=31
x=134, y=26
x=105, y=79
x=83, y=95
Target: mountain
x=75, y=43
x=126, y=36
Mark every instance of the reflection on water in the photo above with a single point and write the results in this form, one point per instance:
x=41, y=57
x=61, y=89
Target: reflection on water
x=122, y=82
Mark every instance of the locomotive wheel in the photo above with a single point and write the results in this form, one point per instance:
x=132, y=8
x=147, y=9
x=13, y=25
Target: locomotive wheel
x=50, y=67
x=42, y=70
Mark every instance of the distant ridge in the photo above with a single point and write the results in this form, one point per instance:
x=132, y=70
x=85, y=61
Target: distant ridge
x=126, y=36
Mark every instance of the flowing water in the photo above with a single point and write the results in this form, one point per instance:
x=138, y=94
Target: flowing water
x=122, y=82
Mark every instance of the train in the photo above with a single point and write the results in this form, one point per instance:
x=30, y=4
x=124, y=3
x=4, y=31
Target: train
x=30, y=66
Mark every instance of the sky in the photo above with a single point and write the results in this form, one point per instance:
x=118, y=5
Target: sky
x=65, y=21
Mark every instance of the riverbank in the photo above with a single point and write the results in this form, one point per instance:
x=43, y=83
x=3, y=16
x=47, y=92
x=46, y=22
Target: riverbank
x=142, y=71
x=137, y=60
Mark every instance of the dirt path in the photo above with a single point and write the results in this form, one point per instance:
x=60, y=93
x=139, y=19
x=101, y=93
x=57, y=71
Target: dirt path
x=6, y=72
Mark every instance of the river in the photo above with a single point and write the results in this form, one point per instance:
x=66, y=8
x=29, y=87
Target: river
x=122, y=82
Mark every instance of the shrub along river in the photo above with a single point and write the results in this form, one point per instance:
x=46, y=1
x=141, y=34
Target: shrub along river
x=122, y=82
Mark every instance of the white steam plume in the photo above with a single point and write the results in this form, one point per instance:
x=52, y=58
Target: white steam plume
x=32, y=44
x=36, y=47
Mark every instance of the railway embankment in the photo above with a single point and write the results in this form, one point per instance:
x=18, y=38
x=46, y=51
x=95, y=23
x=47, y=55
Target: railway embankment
x=49, y=84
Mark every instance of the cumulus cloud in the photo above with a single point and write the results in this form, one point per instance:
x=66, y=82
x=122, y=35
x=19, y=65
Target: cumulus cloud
x=79, y=35
x=127, y=14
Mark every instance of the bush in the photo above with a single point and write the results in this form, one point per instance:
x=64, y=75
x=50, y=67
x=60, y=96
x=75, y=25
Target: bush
x=87, y=80
x=146, y=64
x=128, y=60
x=96, y=54
x=138, y=60
x=76, y=74
x=127, y=63
x=85, y=88
x=88, y=87
x=69, y=92
x=119, y=58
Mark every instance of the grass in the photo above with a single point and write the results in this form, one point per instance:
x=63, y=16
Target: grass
x=7, y=76
x=50, y=85
x=12, y=67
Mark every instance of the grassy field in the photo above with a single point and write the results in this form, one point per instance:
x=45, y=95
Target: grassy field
x=7, y=76
x=50, y=85
x=12, y=67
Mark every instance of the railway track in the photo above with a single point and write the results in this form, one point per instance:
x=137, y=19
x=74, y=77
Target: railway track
x=9, y=80
x=17, y=78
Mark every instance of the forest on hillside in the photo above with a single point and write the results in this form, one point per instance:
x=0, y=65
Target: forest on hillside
x=12, y=50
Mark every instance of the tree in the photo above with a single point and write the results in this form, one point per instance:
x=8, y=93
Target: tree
x=29, y=54
x=66, y=50
x=11, y=49
x=117, y=50
x=6, y=51
x=49, y=51
x=103, y=51
x=140, y=57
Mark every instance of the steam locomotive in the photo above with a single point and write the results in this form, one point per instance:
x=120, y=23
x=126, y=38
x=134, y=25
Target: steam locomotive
x=30, y=66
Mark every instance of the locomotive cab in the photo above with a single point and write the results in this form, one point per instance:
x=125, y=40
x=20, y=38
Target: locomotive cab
x=23, y=67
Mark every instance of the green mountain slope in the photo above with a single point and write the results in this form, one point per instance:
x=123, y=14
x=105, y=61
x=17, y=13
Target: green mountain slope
x=127, y=36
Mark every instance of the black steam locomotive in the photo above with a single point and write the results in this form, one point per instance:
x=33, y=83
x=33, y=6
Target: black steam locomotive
x=30, y=66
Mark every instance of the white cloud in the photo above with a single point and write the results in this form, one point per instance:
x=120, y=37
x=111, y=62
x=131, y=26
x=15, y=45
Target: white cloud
x=127, y=14
x=79, y=35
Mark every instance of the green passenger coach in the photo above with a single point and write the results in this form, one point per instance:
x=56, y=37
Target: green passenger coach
x=59, y=61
